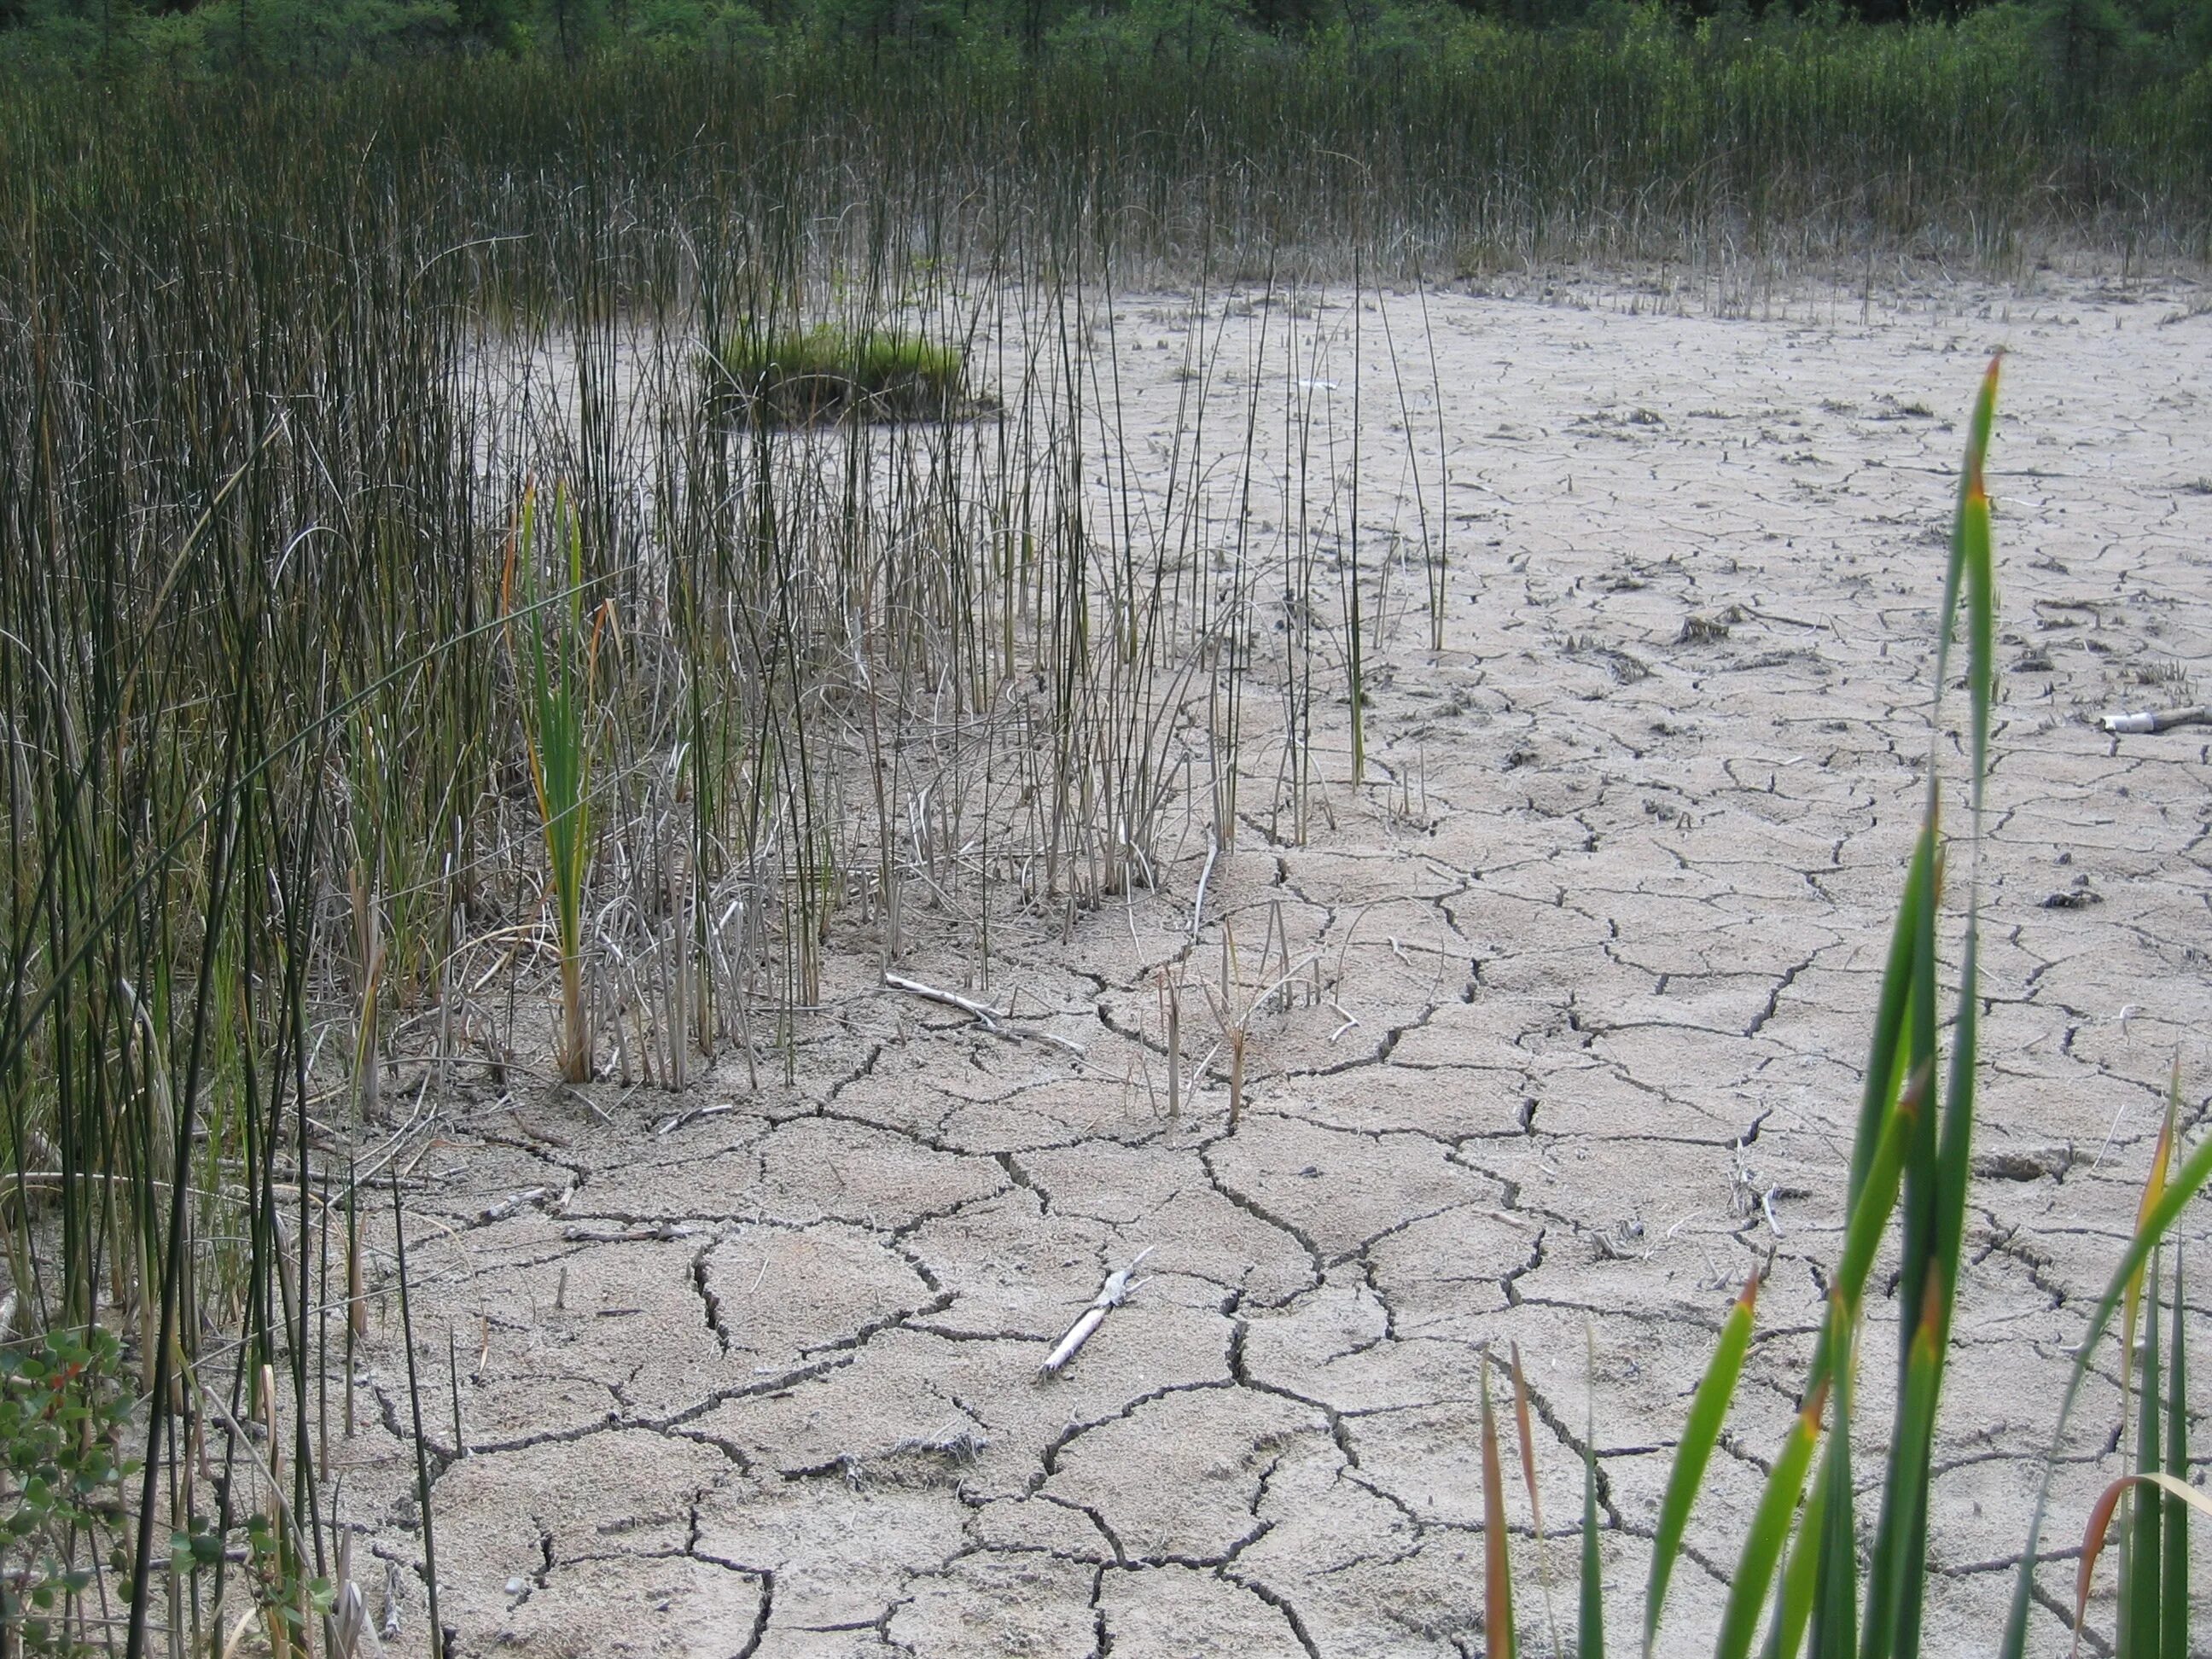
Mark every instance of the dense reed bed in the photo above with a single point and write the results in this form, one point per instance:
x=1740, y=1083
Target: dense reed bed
x=400, y=631
x=1496, y=145
x=422, y=674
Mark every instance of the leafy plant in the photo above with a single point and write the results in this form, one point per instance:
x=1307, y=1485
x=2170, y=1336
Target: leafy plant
x=2154, y=1604
x=291, y=1598
x=1799, y=1565
x=62, y=1411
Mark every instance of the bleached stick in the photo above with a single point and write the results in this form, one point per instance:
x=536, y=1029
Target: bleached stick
x=1116, y=1290
x=986, y=1015
x=2158, y=720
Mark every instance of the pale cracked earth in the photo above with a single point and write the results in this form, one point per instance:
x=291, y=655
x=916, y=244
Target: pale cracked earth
x=1598, y=942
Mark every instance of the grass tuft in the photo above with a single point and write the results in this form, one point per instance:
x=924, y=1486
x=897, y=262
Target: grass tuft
x=789, y=377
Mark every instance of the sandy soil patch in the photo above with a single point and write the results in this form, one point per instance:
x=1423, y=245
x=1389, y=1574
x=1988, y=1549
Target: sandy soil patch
x=1583, y=978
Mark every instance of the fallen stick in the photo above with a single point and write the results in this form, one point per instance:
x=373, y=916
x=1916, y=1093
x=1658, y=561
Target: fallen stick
x=660, y=1232
x=1116, y=1290
x=1198, y=904
x=670, y=1125
x=985, y=1016
x=2158, y=720
x=513, y=1203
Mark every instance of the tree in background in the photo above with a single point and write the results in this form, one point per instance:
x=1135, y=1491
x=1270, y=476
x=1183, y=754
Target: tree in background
x=2085, y=46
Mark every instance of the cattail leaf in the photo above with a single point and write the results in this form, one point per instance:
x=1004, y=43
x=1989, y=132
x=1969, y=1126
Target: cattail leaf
x=1801, y=1577
x=1589, y=1625
x=1886, y=1068
x=2181, y=1188
x=1870, y=1215
x=2173, y=1619
x=1835, y=1596
x=1769, y=1531
x=1701, y=1431
x=1972, y=485
x=2161, y=1159
x=2142, y=1556
x=1898, y=1564
x=1496, y=1560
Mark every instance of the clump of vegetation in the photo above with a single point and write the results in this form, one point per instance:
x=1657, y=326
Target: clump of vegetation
x=63, y=1414
x=786, y=377
x=557, y=668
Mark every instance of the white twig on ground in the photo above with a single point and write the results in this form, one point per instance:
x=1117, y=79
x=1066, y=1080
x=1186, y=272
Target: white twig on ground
x=985, y=1016
x=1116, y=1290
x=2157, y=719
x=1198, y=904
x=514, y=1202
x=671, y=1124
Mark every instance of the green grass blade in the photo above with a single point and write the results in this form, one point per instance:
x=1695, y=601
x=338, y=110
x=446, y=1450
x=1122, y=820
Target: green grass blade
x=2173, y=1574
x=1896, y=1575
x=1921, y=1182
x=1497, y=1636
x=1769, y=1532
x=1936, y=1167
x=1976, y=548
x=1970, y=483
x=1835, y=1599
x=1900, y=1555
x=1919, y=1171
x=1801, y=1577
x=2143, y=1557
x=557, y=718
x=2154, y=1227
x=2161, y=1160
x=1701, y=1432
x=1832, y=1359
x=1885, y=1070
x=1870, y=1215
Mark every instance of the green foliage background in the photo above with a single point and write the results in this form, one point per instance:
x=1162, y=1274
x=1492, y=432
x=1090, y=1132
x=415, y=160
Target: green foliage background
x=2089, y=45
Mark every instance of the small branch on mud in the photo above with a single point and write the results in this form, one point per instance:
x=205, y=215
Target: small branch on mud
x=2158, y=720
x=671, y=1124
x=985, y=1016
x=513, y=1203
x=1198, y=904
x=1116, y=1290
x=658, y=1232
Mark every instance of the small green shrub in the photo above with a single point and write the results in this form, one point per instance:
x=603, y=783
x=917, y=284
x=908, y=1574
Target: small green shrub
x=62, y=1413
x=790, y=377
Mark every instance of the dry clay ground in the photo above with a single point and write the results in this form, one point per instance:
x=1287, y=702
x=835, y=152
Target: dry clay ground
x=1597, y=944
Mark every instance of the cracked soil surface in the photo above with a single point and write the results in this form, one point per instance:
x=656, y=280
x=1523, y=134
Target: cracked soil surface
x=1579, y=984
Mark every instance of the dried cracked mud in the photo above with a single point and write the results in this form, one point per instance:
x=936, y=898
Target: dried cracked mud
x=1578, y=988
